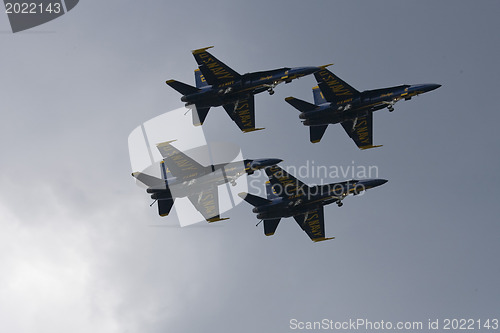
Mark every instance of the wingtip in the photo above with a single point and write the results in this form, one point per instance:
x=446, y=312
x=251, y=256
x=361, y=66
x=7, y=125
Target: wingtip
x=289, y=98
x=316, y=240
x=252, y=129
x=201, y=50
x=369, y=147
x=161, y=144
x=217, y=219
x=169, y=81
x=325, y=66
x=242, y=195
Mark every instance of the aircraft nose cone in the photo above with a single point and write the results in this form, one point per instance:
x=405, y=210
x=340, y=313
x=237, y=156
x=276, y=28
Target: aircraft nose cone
x=271, y=161
x=422, y=88
x=381, y=181
x=369, y=183
x=378, y=182
x=432, y=86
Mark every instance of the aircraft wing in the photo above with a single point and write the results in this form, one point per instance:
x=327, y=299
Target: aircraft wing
x=313, y=223
x=333, y=88
x=361, y=132
x=179, y=164
x=284, y=184
x=207, y=203
x=214, y=71
x=243, y=113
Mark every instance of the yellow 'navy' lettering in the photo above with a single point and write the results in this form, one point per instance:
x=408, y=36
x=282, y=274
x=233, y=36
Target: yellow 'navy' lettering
x=337, y=87
x=215, y=66
x=314, y=224
x=208, y=202
x=225, y=84
x=362, y=131
x=182, y=163
x=243, y=111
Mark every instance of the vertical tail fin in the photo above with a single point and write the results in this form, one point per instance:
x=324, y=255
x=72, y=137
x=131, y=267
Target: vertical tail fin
x=200, y=79
x=318, y=96
x=165, y=172
x=270, y=191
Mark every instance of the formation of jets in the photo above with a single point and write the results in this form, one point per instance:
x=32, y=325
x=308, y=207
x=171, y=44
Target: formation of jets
x=219, y=85
x=198, y=183
x=334, y=102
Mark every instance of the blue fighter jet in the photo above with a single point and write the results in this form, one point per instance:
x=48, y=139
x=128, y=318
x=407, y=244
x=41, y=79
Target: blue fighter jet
x=182, y=176
x=219, y=85
x=289, y=197
x=337, y=102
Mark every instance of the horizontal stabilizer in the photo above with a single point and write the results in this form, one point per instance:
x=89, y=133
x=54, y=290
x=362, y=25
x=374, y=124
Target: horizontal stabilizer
x=148, y=179
x=199, y=115
x=270, y=226
x=164, y=206
x=300, y=105
x=253, y=199
x=183, y=88
x=317, y=132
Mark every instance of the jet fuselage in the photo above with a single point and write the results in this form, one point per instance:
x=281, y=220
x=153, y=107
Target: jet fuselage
x=250, y=84
x=198, y=181
x=367, y=101
x=312, y=198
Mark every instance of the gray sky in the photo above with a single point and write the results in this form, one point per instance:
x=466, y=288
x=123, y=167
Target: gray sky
x=80, y=250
